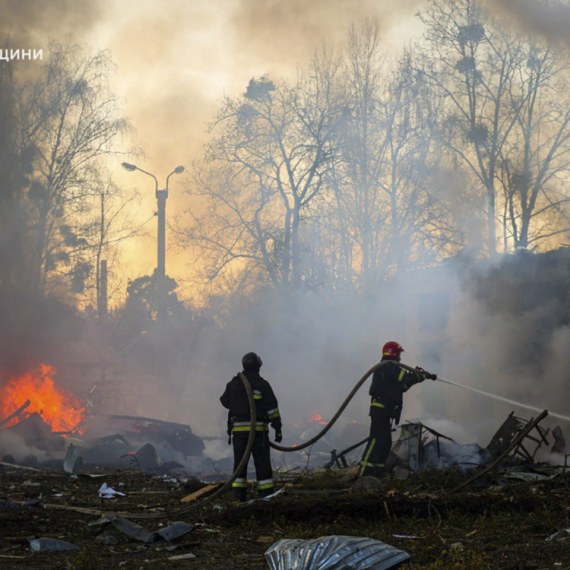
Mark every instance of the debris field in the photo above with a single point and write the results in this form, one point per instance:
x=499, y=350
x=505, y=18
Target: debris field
x=497, y=508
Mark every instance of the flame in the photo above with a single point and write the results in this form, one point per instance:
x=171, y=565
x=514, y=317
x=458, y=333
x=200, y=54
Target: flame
x=318, y=419
x=57, y=408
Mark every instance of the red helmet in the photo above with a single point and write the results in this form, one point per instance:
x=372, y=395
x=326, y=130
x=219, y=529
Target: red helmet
x=392, y=349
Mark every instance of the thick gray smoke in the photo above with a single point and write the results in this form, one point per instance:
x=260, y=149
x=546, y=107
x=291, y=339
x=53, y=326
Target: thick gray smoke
x=547, y=18
x=29, y=23
x=477, y=327
x=314, y=348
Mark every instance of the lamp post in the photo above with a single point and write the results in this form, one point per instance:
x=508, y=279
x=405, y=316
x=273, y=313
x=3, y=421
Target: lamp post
x=161, y=196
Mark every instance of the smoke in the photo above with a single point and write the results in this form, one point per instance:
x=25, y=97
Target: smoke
x=175, y=59
x=490, y=326
x=29, y=23
x=14, y=444
x=286, y=33
x=547, y=18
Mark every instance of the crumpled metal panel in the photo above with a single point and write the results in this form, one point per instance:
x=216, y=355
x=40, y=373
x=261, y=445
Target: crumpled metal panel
x=334, y=553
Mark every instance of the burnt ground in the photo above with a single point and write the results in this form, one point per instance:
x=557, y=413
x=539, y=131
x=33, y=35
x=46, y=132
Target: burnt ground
x=503, y=526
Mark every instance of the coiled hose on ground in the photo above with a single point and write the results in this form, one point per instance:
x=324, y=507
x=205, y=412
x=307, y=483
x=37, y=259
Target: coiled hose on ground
x=245, y=459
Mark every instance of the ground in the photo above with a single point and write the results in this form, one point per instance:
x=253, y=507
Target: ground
x=501, y=526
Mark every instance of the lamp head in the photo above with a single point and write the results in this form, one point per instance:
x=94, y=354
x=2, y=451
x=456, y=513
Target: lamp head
x=179, y=170
x=129, y=167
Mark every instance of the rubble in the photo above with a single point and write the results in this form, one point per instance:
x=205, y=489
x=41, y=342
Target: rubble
x=432, y=504
x=142, y=443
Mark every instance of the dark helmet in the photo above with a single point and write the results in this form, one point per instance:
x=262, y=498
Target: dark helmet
x=251, y=361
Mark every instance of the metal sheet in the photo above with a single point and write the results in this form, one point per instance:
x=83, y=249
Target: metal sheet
x=334, y=553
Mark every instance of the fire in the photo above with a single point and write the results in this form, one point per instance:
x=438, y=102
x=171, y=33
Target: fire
x=57, y=408
x=318, y=419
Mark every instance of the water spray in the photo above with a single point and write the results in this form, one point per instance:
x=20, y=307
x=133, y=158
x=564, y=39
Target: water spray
x=506, y=400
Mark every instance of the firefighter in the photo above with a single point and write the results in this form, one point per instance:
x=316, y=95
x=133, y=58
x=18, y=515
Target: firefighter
x=389, y=383
x=239, y=423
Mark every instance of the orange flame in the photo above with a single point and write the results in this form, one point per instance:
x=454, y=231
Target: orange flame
x=318, y=419
x=57, y=408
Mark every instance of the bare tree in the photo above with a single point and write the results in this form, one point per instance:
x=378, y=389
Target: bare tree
x=536, y=162
x=505, y=121
x=382, y=184
x=260, y=174
x=68, y=119
x=109, y=222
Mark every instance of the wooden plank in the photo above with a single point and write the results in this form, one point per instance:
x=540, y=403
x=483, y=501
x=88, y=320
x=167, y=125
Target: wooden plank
x=193, y=496
x=82, y=510
x=16, y=466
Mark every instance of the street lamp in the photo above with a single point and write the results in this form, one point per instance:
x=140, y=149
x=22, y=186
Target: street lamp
x=161, y=196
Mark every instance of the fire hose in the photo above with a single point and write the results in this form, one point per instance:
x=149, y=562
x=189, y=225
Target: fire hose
x=243, y=463
x=245, y=459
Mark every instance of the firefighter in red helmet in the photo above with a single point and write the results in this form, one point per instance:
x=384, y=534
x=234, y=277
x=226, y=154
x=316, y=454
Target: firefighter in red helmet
x=389, y=383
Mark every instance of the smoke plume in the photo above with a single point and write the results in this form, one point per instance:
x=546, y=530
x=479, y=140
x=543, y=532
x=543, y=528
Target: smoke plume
x=549, y=19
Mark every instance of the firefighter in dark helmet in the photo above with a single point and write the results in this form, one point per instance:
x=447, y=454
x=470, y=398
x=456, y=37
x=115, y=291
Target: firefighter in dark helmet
x=239, y=423
x=389, y=383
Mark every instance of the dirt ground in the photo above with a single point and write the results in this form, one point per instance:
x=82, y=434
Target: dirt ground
x=502, y=526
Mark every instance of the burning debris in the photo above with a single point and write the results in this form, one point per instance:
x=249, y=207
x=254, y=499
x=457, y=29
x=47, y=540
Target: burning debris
x=58, y=409
x=39, y=420
x=309, y=509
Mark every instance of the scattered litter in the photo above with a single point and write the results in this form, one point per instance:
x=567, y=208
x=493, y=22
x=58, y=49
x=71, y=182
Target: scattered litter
x=182, y=556
x=171, y=532
x=405, y=536
x=70, y=458
x=107, y=539
x=15, y=466
x=106, y=492
x=127, y=527
x=175, y=530
x=21, y=505
x=33, y=503
x=528, y=477
x=338, y=552
x=50, y=545
x=563, y=534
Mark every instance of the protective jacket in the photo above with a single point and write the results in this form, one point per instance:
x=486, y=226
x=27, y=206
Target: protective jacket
x=266, y=407
x=235, y=400
x=389, y=383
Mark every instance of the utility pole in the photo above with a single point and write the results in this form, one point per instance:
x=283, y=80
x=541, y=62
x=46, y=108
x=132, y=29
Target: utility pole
x=161, y=196
x=102, y=293
x=162, y=301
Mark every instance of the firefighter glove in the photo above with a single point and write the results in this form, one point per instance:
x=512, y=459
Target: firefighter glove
x=278, y=436
x=422, y=373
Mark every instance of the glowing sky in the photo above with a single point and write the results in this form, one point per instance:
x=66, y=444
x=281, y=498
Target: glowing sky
x=176, y=58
